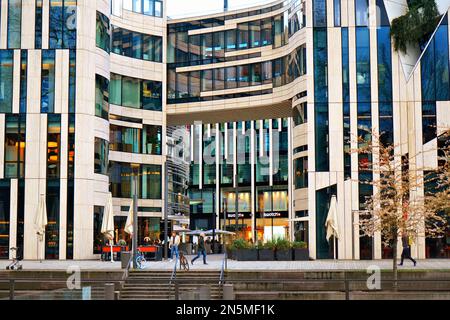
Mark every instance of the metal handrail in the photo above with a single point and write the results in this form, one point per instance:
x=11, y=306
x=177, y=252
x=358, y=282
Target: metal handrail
x=126, y=271
x=222, y=271
x=174, y=272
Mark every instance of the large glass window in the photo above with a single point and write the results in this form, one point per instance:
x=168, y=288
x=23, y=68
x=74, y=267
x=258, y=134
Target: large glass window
x=152, y=139
x=151, y=187
x=63, y=24
x=301, y=172
x=99, y=238
x=151, y=95
x=23, y=80
x=131, y=92
x=72, y=80
x=363, y=64
x=337, y=13
x=101, y=97
x=5, y=200
x=231, y=78
x=15, y=133
x=53, y=212
x=6, y=80
x=103, y=32
x=48, y=81
x=101, y=156
x=320, y=13
x=38, y=25
x=14, y=23
x=136, y=45
x=53, y=146
x=362, y=12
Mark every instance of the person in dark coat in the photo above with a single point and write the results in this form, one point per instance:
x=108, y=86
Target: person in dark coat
x=201, y=249
x=406, y=253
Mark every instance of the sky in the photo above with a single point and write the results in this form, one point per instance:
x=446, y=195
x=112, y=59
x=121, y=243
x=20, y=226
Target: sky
x=185, y=8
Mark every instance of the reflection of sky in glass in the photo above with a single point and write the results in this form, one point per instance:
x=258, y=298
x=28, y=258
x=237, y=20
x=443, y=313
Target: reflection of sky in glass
x=186, y=8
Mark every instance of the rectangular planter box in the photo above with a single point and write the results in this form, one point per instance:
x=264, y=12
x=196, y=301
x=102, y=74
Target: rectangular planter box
x=246, y=255
x=266, y=255
x=284, y=255
x=301, y=254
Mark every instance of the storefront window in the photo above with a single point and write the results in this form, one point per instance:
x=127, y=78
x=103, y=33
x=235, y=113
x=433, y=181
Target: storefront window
x=15, y=146
x=53, y=146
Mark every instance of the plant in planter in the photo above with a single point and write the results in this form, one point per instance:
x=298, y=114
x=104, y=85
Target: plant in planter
x=244, y=251
x=416, y=26
x=267, y=251
x=283, y=250
x=300, y=251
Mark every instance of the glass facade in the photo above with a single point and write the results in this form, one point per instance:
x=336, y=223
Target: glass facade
x=23, y=81
x=38, y=25
x=146, y=7
x=136, y=45
x=301, y=173
x=135, y=93
x=54, y=146
x=187, y=86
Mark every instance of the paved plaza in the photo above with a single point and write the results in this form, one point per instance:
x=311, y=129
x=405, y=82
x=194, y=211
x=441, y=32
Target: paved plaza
x=215, y=263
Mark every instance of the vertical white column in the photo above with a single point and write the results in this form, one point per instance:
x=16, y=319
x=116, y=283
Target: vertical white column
x=253, y=177
x=28, y=24
x=13, y=216
x=63, y=186
x=235, y=168
x=270, y=152
x=200, y=156
x=218, y=162
x=290, y=181
x=2, y=144
x=16, y=82
x=45, y=23
x=4, y=25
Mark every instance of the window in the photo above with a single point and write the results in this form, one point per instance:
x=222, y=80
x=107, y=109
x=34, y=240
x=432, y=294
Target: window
x=23, y=80
x=243, y=75
x=48, y=81
x=255, y=33
x=5, y=201
x=337, y=13
x=14, y=23
x=99, y=238
x=231, y=79
x=101, y=97
x=72, y=80
x=301, y=173
x=230, y=40
x=362, y=12
x=207, y=80
x=320, y=13
x=101, y=156
x=363, y=64
x=135, y=93
x=219, y=77
x=38, y=25
x=300, y=114
x=53, y=146
x=151, y=95
x=15, y=143
x=136, y=45
x=266, y=32
x=255, y=74
x=152, y=140
x=151, y=181
x=71, y=148
x=131, y=90
x=63, y=24
x=6, y=80
x=103, y=32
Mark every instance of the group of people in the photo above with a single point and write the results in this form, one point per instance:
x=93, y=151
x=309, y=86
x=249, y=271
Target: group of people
x=175, y=241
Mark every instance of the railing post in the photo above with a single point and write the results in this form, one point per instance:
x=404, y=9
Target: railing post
x=177, y=290
x=11, y=289
x=347, y=287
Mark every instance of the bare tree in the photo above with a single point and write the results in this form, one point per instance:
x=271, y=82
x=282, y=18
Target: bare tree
x=399, y=203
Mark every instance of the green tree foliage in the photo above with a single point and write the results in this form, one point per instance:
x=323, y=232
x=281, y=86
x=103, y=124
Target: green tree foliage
x=416, y=26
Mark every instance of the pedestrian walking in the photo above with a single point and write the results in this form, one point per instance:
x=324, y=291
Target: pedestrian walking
x=201, y=249
x=174, y=242
x=406, y=253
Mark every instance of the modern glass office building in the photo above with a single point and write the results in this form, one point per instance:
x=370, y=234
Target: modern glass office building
x=271, y=98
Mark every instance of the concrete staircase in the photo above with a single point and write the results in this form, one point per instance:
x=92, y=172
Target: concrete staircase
x=154, y=285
